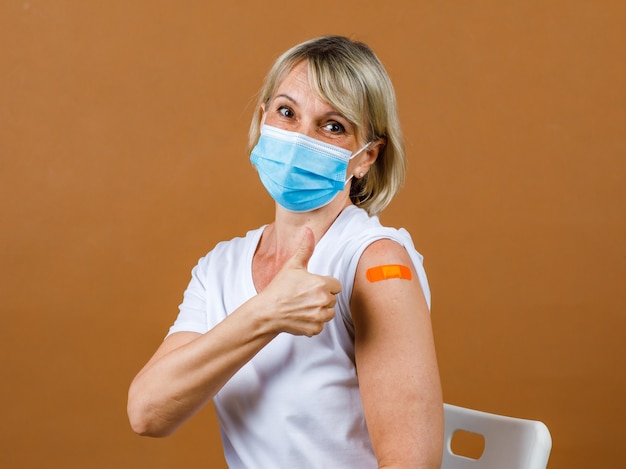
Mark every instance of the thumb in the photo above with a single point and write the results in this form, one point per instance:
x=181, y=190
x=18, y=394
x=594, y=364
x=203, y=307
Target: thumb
x=300, y=258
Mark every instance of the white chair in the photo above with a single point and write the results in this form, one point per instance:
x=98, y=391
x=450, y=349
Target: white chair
x=509, y=443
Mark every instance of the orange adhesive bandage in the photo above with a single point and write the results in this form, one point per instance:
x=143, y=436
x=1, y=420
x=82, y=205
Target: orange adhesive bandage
x=384, y=272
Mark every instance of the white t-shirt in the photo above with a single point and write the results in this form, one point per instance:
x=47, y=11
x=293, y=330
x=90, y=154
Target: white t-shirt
x=296, y=404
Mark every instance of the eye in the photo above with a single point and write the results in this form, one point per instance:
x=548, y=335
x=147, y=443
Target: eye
x=335, y=128
x=285, y=112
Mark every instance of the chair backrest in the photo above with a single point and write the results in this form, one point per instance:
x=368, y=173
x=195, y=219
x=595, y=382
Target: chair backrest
x=509, y=443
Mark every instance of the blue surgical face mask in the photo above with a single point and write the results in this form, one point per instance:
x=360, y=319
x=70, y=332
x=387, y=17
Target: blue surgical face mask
x=299, y=172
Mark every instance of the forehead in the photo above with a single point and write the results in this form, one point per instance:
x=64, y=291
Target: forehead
x=299, y=72
x=296, y=80
x=296, y=85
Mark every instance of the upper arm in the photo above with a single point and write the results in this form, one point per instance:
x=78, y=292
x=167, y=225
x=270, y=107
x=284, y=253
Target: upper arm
x=396, y=362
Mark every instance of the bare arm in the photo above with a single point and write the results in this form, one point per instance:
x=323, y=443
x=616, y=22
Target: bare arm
x=396, y=364
x=189, y=368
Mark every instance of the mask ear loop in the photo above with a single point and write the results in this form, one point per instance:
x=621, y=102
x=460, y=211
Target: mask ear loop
x=354, y=155
x=360, y=150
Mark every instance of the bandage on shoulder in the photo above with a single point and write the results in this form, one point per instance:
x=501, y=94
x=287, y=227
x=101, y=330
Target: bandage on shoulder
x=384, y=272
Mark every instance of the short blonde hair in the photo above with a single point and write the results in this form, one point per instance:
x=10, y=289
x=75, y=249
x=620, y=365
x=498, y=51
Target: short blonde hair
x=350, y=77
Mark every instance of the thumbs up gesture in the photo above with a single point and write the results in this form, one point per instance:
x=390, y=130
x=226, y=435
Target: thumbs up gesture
x=301, y=302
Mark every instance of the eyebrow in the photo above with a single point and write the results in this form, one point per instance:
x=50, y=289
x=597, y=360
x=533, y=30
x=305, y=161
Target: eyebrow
x=286, y=97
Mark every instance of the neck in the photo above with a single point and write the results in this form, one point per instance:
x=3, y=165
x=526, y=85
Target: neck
x=282, y=237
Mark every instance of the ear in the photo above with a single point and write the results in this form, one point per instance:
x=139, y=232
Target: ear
x=262, y=113
x=370, y=154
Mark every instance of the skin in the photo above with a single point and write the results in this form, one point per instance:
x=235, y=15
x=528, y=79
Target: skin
x=395, y=353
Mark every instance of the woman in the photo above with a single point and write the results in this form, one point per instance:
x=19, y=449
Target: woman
x=312, y=334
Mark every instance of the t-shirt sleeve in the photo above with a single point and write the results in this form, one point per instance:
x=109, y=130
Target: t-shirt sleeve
x=192, y=316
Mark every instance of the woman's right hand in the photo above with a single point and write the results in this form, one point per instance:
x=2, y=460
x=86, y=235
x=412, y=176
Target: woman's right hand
x=301, y=302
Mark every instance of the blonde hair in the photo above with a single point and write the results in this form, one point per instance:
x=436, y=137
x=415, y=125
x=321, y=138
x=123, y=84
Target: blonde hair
x=350, y=77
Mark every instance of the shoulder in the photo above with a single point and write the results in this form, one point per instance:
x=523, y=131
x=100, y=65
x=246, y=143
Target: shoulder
x=234, y=247
x=363, y=238
x=373, y=245
x=384, y=251
x=383, y=260
x=388, y=285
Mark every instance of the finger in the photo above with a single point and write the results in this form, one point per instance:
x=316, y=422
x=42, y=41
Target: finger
x=329, y=313
x=334, y=285
x=300, y=258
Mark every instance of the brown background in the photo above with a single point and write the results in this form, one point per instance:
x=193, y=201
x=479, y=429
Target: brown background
x=122, y=143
